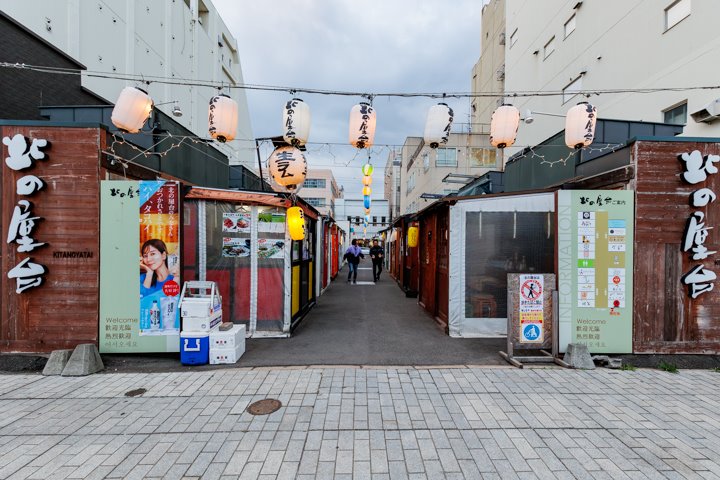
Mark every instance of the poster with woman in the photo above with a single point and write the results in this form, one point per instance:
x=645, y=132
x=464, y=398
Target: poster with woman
x=159, y=258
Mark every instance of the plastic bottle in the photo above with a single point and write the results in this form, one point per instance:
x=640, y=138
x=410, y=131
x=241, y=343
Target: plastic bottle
x=155, y=316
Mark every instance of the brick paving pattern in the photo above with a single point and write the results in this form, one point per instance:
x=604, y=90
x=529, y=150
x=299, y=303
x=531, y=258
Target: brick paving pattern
x=379, y=423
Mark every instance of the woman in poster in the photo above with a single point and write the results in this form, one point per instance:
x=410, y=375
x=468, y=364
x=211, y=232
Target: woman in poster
x=154, y=267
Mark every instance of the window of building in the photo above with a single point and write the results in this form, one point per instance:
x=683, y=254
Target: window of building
x=411, y=183
x=314, y=183
x=570, y=26
x=572, y=89
x=382, y=219
x=446, y=157
x=482, y=157
x=676, y=115
x=350, y=219
x=357, y=220
x=676, y=12
x=374, y=220
x=314, y=201
x=513, y=37
x=549, y=47
x=426, y=161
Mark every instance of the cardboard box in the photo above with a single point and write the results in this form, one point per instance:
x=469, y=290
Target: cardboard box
x=220, y=356
x=229, y=338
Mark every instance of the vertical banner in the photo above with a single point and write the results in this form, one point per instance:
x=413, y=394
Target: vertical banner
x=595, y=266
x=139, y=266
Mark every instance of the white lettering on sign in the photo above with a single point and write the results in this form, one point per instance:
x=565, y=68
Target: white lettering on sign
x=27, y=273
x=697, y=168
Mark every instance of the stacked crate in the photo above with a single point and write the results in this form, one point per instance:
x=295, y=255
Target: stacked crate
x=201, y=312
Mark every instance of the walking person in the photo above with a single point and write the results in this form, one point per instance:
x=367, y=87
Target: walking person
x=377, y=254
x=353, y=256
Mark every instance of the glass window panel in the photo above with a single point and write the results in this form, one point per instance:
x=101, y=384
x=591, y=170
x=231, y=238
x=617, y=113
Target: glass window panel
x=676, y=12
x=446, y=157
x=570, y=26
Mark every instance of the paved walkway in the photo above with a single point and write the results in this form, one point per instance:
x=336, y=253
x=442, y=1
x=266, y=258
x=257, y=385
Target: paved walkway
x=421, y=423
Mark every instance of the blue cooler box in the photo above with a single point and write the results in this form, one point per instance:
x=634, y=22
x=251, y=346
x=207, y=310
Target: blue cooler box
x=194, y=348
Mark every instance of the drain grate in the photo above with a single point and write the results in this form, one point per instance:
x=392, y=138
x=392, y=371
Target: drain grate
x=135, y=393
x=264, y=407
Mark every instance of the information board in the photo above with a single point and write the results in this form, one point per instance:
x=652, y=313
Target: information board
x=595, y=269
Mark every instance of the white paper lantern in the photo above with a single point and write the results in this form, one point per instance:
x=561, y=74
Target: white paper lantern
x=438, y=125
x=222, y=118
x=132, y=109
x=580, y=125
x=288, y=167
x=362, y=125
x=504, y=126
x=296, y=122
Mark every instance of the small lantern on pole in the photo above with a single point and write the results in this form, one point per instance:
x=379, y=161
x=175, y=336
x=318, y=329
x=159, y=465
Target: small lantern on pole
x=222, y=118
x=366, y=201
x=367, y=191
x=362, y=125
x=580, y=125
x=288, y=167
x=367, y=170
x=504, y=126
x=296, y=122
x=132, y=109
x=438, y=125
x=296, y=223
x=367, y=180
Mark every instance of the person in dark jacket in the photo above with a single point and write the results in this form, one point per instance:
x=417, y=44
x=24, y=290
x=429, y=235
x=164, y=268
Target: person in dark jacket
x=377, y=254
x=353, y=256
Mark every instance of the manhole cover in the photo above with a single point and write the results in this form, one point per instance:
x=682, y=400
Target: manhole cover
x=135, y=393
x=264, y=407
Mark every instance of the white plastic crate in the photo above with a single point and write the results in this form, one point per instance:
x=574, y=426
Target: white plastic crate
x=229, y=338
x=199, y=299
x=220, y=356
x=202, y=324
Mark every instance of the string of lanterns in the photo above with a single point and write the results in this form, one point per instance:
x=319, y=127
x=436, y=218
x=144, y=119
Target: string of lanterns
x=580, y=123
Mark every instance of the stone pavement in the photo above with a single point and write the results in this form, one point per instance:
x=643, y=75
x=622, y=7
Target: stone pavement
x=400, y=422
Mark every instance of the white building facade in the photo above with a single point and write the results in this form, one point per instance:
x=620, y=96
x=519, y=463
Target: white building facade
x=351, y=212
x=572, y=46
x=177, y=40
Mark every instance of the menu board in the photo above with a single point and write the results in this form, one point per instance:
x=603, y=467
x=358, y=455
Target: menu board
x=595, y=266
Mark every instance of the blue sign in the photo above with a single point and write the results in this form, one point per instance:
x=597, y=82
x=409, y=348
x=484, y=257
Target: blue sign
x=531, y=332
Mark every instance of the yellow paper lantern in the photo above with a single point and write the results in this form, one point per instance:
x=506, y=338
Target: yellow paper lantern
x=504, y=125
x=288, y=167
x=132, y=108
x=580, y=125
x=412, y=237
x=362, y=125
x=367, y=191
x=367, y=180
x=296, y=223
x=222, y=118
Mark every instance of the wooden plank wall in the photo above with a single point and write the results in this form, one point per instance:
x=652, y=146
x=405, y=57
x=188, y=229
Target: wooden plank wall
x=667, y=319
x=63, y=311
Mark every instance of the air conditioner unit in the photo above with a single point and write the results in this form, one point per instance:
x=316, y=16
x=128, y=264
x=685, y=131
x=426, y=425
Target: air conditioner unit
x=708, y=114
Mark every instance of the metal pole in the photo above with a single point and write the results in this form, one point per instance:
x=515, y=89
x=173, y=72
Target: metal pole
x=257, y=150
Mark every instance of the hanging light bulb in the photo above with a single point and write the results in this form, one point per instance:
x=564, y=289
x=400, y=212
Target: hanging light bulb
x=362, y=125
x=504, y=126
x=296, y=122
x=367, y=180
x=367, y=169
x=296, y=223
x=367, y=191
x=580, y=125
x=438, y=125
x=412, y=237
x=131, y=110
x=366, y=201
x=367, y=211
x=222, y=118
x=288, y=167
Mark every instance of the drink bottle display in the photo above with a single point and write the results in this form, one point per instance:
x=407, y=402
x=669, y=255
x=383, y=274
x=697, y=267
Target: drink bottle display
x=170, y=319
x=155, y=316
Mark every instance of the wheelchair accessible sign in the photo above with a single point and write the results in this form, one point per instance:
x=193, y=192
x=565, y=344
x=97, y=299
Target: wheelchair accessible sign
x=531, y=309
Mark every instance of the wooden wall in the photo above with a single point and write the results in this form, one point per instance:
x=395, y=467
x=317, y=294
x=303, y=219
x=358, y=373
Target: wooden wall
x=63, y=311
x=666, y=318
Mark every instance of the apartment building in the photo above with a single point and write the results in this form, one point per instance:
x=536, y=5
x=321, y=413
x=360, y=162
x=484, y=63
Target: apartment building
x=185, y=40
x=427, y=173
x=391, y=182
x=488, y=74
x=321, y=191
x=660, y=50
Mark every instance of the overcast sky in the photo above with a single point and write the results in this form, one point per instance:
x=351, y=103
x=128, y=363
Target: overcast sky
x=372, y=46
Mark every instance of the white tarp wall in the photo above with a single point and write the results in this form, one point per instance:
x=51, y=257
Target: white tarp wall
x=490, y=237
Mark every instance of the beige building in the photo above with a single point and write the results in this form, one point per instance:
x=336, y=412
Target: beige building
x=571, y=46
x=321, y=190
x=392, y=183
x=441, y=171
x=488, y=75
